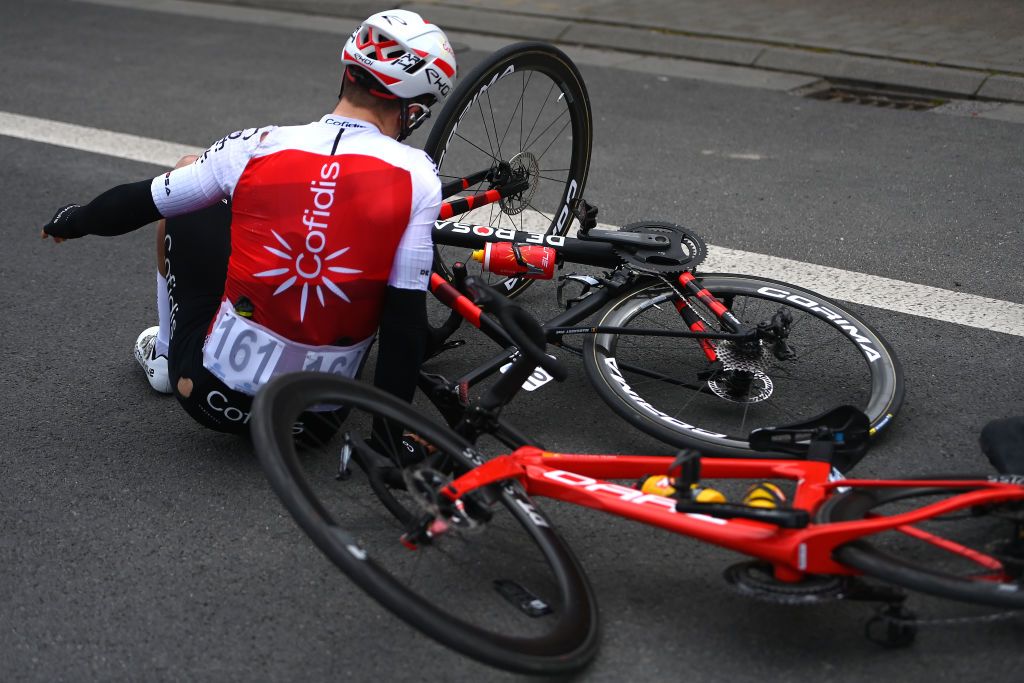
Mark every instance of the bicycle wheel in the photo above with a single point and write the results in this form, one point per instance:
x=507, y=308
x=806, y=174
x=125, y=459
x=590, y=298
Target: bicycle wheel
x=525, y=105
x=667, y=387
x=968, y=556
x=498, y=585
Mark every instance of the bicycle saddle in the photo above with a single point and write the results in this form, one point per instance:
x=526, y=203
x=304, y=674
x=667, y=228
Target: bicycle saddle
x=840, y=436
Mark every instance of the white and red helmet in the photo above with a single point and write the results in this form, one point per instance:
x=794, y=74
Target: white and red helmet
x=409, y=57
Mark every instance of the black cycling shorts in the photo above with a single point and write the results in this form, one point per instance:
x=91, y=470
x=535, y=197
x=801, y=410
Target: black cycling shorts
x=198, y=246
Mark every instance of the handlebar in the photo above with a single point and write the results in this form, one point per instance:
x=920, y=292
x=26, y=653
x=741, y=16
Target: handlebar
x=523, y=328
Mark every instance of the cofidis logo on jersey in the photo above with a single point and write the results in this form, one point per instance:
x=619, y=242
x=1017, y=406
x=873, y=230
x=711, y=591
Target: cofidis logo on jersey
x=307, y=266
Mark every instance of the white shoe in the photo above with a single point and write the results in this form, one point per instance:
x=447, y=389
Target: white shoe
x=155, y=366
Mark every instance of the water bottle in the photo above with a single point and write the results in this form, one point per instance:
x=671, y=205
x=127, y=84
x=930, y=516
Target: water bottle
x=518, y=260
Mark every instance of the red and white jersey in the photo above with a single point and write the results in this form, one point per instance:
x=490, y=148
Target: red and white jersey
x=324, y=216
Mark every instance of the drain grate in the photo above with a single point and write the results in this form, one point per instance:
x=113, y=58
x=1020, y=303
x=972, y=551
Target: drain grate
x=873, y=97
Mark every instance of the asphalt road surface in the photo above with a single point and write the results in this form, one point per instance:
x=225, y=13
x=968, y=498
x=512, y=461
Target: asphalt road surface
x=136, y=546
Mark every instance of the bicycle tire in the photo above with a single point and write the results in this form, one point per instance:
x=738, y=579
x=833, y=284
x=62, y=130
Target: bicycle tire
x=921, y=564
x=446, y=588
x=644, y=378
x=545, y=92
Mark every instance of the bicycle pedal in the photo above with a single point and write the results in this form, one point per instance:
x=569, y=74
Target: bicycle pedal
x=892, y=627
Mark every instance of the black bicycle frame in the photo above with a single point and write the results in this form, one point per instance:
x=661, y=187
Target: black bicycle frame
x=451, y=397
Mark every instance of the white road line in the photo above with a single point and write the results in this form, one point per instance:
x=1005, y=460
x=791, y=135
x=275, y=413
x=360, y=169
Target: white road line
x=869, y=290
x=95, y=140
x=873, y=290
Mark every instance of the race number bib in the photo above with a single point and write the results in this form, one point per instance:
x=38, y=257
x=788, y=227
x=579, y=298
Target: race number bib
x=245, y=355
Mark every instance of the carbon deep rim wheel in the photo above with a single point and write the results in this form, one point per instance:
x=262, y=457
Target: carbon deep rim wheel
x=952, y=557
x=526, y=105
x=667, y=388
x=499, y=586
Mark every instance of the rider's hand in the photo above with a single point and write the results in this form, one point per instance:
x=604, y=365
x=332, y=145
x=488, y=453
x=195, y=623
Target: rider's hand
x=62, y=226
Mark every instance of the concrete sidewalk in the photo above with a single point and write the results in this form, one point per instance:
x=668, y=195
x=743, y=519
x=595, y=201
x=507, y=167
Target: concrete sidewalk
x=955, y=48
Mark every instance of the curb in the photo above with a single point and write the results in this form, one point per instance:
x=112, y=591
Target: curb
x=646, y=49
x=878, y=71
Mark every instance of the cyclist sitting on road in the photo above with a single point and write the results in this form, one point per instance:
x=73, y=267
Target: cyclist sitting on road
x=327, y=236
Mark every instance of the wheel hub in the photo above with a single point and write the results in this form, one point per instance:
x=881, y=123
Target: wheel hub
x=524, y=165
x=424, y=485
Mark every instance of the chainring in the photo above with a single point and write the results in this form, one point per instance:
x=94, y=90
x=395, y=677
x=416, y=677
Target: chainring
x=686, y=251
x=755, y=580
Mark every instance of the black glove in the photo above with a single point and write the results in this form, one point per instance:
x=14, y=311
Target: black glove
x=64, y=223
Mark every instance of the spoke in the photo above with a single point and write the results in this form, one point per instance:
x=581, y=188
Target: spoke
x=532, y=140
x=522, y=118
x=553, y=180
x=501, y=214
x=487, y=130
x=522, y=96
x=554, y=139
x=482, y=150
x=534, y=126
x=550, y=218
x=490, y=107
x=746, y=411
x=818, y=347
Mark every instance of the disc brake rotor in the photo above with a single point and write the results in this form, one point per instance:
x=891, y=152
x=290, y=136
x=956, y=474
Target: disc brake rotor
x=524, y=165
x=686, y=249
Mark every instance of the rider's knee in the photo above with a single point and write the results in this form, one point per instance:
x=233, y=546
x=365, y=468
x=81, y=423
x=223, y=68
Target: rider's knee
x=184, y=387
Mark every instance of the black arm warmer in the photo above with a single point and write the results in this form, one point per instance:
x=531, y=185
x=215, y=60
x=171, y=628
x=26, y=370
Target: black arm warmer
x=119, y=210
x=403, y=341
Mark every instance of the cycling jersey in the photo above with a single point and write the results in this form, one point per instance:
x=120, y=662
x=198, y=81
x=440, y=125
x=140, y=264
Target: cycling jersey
x=324, y=216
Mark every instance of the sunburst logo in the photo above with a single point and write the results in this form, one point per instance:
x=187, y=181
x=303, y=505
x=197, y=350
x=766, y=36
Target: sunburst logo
x=309, y=268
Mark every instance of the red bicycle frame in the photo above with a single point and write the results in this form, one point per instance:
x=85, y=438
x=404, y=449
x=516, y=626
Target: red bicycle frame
x=582, y=479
